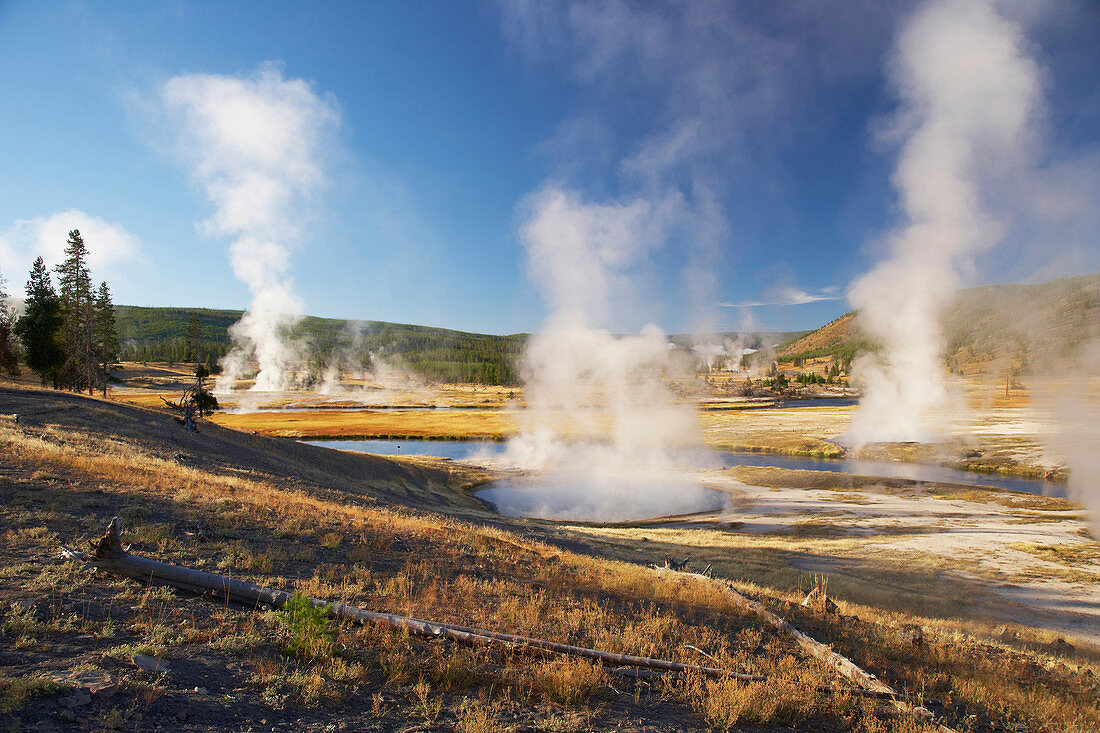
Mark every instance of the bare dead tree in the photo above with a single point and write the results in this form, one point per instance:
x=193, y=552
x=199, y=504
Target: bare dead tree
x=195, y=402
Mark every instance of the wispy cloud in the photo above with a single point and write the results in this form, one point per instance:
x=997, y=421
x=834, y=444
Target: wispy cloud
x=110, y=246
x=789, y=297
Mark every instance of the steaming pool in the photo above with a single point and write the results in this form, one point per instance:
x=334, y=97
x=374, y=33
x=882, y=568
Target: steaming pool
x=465, y=450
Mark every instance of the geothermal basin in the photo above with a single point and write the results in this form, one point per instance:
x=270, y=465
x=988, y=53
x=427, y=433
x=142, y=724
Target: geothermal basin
x=487, y=451
x=631, y=494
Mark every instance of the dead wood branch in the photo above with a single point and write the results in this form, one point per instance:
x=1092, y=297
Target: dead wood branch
x=672, y=563
x=817, y=650
x=109, y=556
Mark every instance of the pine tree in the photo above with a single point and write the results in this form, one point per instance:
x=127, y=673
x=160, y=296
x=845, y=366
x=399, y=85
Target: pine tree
x=9, y=358
x=106, y=335
x=40, y=326
x=74, y=282
x=194, y=340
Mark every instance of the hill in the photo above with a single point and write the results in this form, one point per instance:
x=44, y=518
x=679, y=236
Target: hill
x=994, y=328
x=839, y=338
x=437, y=354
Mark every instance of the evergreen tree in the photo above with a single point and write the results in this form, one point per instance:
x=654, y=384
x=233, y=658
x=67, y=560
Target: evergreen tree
x=194, y=340
x=106, y=335
x=40, y=326
x=74, y=282
x=9, y=358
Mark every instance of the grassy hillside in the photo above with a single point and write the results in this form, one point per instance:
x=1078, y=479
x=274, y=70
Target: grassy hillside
x=997, y=328
x=1022, y=327
x=1017, y=328
x=825, y=339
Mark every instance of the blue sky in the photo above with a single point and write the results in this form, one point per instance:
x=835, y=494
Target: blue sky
x=767, y=122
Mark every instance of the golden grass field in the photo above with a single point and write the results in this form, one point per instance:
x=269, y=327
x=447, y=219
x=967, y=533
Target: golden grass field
x=404, y=424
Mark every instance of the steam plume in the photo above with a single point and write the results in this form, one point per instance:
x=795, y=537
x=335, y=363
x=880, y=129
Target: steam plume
x=1077, y=409
x=601, y=420
x=378, y=378
x=969, y=93
x=256, y=145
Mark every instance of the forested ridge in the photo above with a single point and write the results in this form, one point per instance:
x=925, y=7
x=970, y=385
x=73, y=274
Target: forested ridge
x=437, y=354
x=1020, y=328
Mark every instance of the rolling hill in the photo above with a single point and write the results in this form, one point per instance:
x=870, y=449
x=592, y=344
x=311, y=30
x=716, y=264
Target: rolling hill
x=995, y=328
x=437, y=354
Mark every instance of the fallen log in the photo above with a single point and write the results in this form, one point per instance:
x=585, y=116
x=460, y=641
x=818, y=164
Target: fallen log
x=109, y=556
x=817, y=650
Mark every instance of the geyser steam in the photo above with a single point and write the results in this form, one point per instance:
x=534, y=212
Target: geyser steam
x=256, y=145
x=969, y=93
x=602, y=425
x=1077, y=408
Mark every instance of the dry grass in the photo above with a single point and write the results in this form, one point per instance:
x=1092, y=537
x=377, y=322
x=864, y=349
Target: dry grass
x=1085, y=553
x=16, y=692
x=1011, y=499
x=803, y=431
x=847, y=483
x=63, y=483
x=1076, y=563
x=396, y=424
x=820, y=480
x=567, y=680
x=418, y=564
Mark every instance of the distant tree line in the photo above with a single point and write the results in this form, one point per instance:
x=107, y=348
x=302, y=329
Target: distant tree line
x=186, y=349
x=434, y=354
x=175, y=335
x=200, y=335
x=66, y=336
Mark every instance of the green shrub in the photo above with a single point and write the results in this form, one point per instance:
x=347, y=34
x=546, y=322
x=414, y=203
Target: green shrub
x=307, y=627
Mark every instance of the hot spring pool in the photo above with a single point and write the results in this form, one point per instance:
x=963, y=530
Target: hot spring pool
x=545, y=498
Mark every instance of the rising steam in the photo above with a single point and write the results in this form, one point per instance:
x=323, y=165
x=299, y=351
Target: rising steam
x=969, y=93
x=1076, y=407
x=256, y=145
x=602, y=424
x=375, y=377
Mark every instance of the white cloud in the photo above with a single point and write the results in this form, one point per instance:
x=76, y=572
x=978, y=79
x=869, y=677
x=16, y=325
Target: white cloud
x=789, y=297
x=110, y=246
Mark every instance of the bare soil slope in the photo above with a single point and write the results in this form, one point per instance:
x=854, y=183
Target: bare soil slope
x=841, y=331
x=1018, y=328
